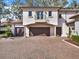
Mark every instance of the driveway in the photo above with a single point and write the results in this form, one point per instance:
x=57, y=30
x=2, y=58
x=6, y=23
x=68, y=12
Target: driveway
x=39, y=47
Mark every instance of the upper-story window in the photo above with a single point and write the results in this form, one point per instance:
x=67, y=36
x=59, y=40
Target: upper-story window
x=50, y=13
x=30, y=13
x=39, y=14
x=60, y=16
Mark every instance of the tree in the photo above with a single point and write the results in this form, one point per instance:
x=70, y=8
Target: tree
x=63, y=3
x=29, y=2
x=16, y=11
x=73, y=4
x=1, y=3
x=1, y=8
x=50, y=3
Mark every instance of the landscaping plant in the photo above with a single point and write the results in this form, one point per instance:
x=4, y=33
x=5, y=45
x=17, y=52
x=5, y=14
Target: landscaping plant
x=75, y=38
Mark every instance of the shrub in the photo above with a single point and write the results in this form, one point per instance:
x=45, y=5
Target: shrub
x=75, y=38
x=8, y=33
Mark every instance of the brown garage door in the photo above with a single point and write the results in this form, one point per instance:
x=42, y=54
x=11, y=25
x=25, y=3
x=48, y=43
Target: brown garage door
x=58, y=31
x=39, y=31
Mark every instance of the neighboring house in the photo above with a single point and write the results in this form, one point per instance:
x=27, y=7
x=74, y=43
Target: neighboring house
x=3, y=22
x=49, y=21
x=17, y=28
x=2, y=29
x=76, y=24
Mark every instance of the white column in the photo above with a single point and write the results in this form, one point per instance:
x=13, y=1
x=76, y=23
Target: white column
x=13, y=29
x=27, y=31
x=76, y=28
x=65, y=30
x=54, y=30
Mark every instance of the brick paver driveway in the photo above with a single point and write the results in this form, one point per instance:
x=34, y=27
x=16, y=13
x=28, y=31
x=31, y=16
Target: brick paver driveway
x=37, y=48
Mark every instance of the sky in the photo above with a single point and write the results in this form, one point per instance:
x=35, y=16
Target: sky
x=9, y=1
x=71, y=0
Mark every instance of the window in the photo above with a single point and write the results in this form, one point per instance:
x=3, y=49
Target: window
x=30, y=13
x=73, y=27
x=60, y=16
x=39, y=14
x=50, y=13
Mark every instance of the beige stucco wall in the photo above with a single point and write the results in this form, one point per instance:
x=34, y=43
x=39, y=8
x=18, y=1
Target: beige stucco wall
x=67, y=14
x=39, y=25
x=54, y=19
x=31, y=20
x=65, y=30
x=26, y=32
x=28, y=20
x=77, y=27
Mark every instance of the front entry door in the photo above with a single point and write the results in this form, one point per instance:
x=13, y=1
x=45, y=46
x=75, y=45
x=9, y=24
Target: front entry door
x=19, y=31
x=58, y=31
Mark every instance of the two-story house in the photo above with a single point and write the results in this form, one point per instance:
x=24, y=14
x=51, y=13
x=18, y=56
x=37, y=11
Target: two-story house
x=49, y=21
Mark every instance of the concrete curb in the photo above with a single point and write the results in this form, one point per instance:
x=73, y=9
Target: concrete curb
x=70, y=44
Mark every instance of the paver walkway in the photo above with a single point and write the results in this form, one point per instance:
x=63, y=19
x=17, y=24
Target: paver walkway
x=40, y=47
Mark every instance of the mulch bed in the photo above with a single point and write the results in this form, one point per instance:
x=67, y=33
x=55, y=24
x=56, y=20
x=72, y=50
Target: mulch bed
x=73, y=42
